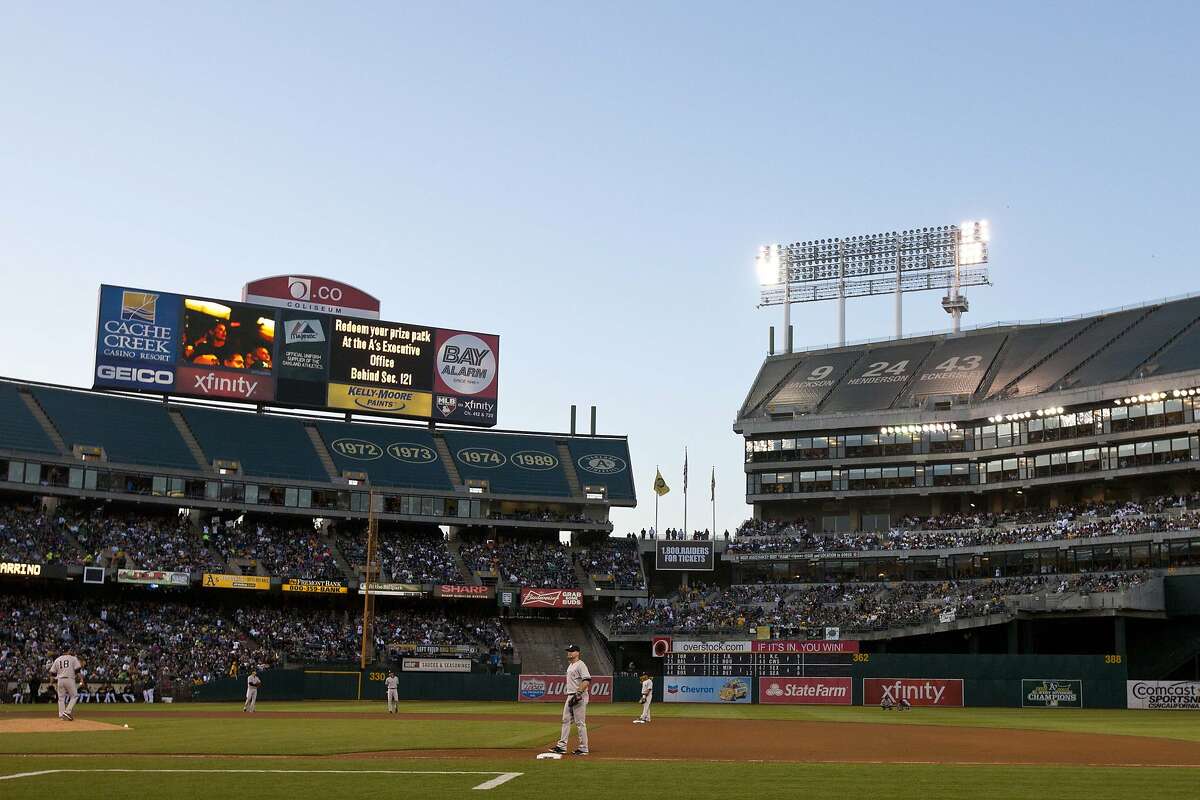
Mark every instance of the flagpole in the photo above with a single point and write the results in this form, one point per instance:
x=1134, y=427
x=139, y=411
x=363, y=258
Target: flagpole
x=713, y=496
x=685, y=482
x=656, y=496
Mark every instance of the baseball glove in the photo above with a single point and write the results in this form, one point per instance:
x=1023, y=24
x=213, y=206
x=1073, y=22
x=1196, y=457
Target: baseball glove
x=573, y=700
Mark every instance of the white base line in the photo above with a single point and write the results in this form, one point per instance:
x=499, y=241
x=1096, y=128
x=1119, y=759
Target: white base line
x=501, y=777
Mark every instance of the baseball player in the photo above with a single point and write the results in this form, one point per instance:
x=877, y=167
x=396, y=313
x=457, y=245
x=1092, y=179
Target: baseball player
x=393, y=692
x=252, y=684
x=578, y=687
x=887, y=703
x=647, y=697
x=63, y=670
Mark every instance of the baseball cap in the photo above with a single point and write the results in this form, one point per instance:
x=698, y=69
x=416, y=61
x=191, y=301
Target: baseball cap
x=572, y=648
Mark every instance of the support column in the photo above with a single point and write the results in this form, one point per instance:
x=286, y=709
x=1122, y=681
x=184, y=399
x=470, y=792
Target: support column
x=1119, y=636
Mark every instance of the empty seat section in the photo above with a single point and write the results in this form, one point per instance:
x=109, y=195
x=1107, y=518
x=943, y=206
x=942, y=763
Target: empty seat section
x=390, y=455
x=1028, y=346
x=877, y=379
x=1118, y=360
x=131, y=431
x=808, y=384
x=769, y=376
x=603, y=462
x=1182, y=355
x=264, y=446
x=1047, y=375
x=510, y=464
x=19, y=429
x=956, y=366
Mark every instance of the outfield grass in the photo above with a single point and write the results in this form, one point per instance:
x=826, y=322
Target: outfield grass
x=162, y=730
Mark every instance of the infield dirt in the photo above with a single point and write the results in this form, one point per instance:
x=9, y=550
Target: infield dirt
x=53, y=725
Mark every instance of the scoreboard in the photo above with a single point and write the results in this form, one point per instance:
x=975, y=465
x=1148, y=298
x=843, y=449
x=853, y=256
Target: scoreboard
x=758, y=665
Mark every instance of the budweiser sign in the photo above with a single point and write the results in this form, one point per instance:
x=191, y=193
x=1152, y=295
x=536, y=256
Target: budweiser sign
x=468, y=592
x=551, y=598
x=553, y=689
x=917, y=691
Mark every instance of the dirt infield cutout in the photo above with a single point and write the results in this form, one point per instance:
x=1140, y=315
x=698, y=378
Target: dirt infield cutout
x=497, y=778
x=53, y=725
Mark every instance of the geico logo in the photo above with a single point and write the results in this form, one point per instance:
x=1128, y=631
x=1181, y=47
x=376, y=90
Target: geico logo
x=160, y=377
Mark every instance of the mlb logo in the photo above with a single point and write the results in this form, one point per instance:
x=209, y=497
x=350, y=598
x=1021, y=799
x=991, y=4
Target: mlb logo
x=446, y=405
x=138, y=307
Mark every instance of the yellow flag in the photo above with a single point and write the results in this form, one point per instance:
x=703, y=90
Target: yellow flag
x=660, y=486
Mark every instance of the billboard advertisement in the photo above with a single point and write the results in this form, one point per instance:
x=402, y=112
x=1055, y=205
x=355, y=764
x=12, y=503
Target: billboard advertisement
x=1043, y=693
x=551, y=598
x=1163, y=695
x=435, y=665
x=806, y=691
x=308, y=293
x=684, y=556
x=464, y=592
x=805, y=646
x=918, y=691
x=706, y=690
x=310, y=586
x=292, y=353
x=153, y=577
x=223, y=581
x=553, y=689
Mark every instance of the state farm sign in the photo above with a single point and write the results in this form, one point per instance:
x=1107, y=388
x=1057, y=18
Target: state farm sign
x=551, y=598
x=918, y=691
x=311, y=293
x=553, y=689
x=806, y=691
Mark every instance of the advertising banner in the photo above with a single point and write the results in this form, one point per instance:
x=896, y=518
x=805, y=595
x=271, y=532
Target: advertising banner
x=805, y=646
x=148, y=576
x=706, y=690
x=313, y=586
x=1043, y=693
x=20, y=569
x=465, y=378
x=806, y=691
x=455, y=591
x=435, y=665
x=1163, y=695
x=918, y=691
x=692, y=646
x=309, y=294
x=394, y=589
x=214, y=580
x=302, y=358
x=137, y=339
x=551, y=598
x=684, y=556
x=553, y=689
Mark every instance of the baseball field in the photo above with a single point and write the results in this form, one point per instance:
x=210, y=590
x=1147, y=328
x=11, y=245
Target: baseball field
x=441, y=750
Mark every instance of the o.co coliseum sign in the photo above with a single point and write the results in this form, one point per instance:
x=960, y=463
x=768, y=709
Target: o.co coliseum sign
x=311, y=293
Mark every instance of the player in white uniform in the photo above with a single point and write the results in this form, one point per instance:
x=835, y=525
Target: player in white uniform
x=647, y=698
x=252, y=684
x=393, y=692
x=578, y=687
x=64, y=669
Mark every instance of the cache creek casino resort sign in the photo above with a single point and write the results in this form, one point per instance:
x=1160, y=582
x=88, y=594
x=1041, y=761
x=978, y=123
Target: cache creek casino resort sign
x=292, y=355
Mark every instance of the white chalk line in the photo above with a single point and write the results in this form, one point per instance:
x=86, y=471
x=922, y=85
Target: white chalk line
x=498, y=779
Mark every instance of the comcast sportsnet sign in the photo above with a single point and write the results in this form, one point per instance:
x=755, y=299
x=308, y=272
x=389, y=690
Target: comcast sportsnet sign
x=551, y=598
x=310, y=293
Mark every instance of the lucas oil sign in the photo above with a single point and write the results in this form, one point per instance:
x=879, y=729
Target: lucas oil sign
x=553, y=689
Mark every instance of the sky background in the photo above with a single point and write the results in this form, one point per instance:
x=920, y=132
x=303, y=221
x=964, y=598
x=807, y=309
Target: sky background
x=590, y=183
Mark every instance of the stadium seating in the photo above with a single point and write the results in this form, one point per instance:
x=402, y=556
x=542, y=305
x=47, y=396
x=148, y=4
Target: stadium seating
x=258, y=442
x=1028, y=346
x=394, y=455
x=131, y=431
x=526, y=465
x=1121, y=357
x=18, y=428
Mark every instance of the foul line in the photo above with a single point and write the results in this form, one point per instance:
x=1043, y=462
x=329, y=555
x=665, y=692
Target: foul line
x=500, y=777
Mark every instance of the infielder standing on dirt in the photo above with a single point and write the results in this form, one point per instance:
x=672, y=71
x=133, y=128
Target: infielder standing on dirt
x=647, y=697
x=252, y=684
x=578, y=687
x=64, y=669
x=393, y=692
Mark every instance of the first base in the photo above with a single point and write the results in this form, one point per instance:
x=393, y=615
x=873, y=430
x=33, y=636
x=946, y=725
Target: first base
x=549, y=755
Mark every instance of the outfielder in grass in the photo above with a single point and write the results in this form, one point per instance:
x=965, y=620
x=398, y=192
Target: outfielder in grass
x=578, y=687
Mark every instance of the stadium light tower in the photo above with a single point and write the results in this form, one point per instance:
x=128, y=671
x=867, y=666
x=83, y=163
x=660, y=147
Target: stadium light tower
x=949, y=257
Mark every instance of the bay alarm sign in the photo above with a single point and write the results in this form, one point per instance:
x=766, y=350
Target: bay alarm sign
x=311, y=293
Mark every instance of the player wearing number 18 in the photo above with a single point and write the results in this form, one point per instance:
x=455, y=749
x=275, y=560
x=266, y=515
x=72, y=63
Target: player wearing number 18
x=578, y=687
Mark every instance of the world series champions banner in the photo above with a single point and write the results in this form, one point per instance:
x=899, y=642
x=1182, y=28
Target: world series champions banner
x=293, y=356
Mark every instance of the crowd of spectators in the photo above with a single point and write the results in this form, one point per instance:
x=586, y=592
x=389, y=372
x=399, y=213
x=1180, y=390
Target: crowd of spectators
x=299, y=552
x=138, y=541
x=30, y=536
x=418, y=557
x=527, y=562
x=849, y=606
x=617, y=558
x=435, y=627
x=540, y=515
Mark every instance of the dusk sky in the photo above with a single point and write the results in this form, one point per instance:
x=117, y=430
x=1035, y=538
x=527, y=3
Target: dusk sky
x=590, y=183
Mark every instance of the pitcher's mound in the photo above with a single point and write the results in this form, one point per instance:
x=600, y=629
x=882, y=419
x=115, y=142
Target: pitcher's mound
x=52, y=725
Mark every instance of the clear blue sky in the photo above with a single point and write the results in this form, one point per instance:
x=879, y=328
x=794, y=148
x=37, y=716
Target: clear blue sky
x=589, y=182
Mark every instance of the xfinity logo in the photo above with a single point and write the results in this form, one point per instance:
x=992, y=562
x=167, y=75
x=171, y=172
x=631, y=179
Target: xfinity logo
x=142, y=375
x=909, y=691
x=212, y=383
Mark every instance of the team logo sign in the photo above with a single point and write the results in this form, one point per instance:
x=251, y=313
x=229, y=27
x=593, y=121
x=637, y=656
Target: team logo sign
x=304, y=330
x=466, y=364
x=602, y=464
x=446, y=405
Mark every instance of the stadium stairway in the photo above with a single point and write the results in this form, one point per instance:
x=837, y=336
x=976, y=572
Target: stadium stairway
x=189, y=439
x=582, y=579
x=43, y=419
x=447, y=460
x=564, y=458
x=469, y=577
x=322, y=451
x=542, y=645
